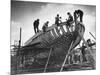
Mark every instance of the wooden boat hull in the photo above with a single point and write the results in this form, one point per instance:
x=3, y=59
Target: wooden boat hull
x=60, y=44
x=60, y=48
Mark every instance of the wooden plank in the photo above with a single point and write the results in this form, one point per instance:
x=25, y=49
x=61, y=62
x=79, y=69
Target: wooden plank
x=44, y=40
x=33, y=37
x=47, y=38
x=51, y=27
x=50, y=36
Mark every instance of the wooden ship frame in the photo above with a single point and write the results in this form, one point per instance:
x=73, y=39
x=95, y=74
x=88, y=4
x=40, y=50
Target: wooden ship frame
x=49, y=51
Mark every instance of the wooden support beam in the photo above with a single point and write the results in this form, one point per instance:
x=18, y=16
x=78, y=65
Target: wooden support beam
x=66, y=57
x=44, y=41
x=47, y=60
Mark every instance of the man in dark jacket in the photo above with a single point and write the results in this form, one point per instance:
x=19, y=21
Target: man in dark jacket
x=36, y=25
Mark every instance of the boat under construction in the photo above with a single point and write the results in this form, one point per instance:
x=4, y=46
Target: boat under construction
x=54, y=50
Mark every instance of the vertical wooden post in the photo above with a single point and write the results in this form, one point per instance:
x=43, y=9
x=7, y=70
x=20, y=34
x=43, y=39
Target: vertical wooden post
x=20, y=38
x=20, y=60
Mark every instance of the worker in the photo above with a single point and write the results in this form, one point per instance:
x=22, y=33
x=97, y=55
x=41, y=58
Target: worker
x=78, y=14
x=90, y=44
x=36, y=25
x=45, y=26
x=68, y=21
x=77, y=55
x=70, y=61
x=57, y=20
x=83, y=51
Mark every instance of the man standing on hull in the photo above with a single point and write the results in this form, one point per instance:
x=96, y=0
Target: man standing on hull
x=36, y=25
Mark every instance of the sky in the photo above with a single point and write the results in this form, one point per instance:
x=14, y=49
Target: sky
x=23, y=15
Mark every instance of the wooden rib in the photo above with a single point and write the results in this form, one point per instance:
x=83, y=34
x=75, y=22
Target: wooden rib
x=62, y=29
x=54, y=33
x=45, y=40
x=58, y=31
